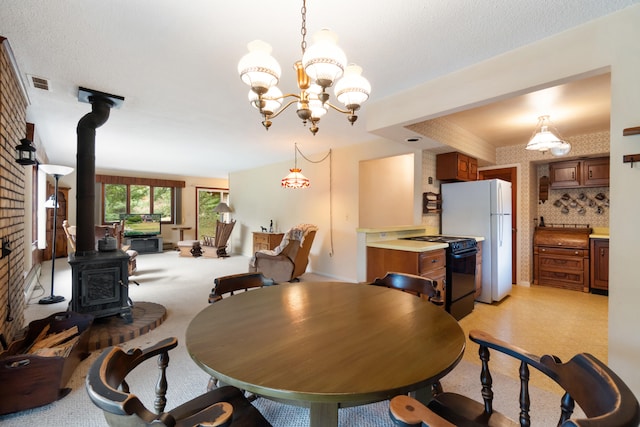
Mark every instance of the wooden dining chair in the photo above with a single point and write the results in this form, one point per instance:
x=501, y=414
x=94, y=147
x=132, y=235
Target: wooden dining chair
x=603, y=397
x=416, y=285
x=108, y=389
x=235, y=283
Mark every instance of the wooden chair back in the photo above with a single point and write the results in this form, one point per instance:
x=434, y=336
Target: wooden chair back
x=70, y=232
x=235, y=283
x=414, y=284
x=603, y=397
x=108, y=389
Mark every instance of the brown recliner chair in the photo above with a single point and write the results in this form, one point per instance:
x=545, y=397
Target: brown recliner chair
x=290, y=260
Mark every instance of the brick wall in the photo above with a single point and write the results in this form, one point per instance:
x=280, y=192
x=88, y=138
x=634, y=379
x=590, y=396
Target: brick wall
x=12, y=196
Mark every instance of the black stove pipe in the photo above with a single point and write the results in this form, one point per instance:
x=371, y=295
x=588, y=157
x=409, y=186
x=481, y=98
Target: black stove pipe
x=86, y=173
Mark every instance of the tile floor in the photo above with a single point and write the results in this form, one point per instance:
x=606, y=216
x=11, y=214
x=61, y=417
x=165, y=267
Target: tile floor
x=542, y=320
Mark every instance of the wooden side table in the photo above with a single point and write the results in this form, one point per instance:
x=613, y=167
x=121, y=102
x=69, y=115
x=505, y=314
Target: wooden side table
x=266, y=241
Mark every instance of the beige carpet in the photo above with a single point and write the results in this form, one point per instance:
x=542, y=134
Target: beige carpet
x=182, y=286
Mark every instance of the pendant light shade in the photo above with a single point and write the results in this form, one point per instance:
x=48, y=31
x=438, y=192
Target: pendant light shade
x=295, y=179
x=546, y=137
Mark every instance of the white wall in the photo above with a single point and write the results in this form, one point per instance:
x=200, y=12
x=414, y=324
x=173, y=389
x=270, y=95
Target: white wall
x=607, y=43
x=386, y=195
x=256, y=197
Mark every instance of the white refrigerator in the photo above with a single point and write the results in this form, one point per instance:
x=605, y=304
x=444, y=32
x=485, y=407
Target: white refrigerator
x=483, y=208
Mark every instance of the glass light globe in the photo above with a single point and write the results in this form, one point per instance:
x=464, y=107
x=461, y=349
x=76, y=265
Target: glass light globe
x=317, y=108
x=258, y=68
x=543, y=140
x=561, y=149
x=352, y=89
x=324, y=62
x=272, y=99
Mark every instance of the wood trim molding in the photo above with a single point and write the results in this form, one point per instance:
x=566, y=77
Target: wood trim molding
x=129, y=180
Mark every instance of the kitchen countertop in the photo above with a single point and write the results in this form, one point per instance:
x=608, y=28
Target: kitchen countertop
x=408, y=245
x=411, y=245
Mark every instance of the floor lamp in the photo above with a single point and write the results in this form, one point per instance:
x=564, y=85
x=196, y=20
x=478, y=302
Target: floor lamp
x=57, y=172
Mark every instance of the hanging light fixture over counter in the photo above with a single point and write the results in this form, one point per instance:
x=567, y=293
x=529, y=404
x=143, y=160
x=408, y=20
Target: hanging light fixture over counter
x=546, y=137
x=322, y=65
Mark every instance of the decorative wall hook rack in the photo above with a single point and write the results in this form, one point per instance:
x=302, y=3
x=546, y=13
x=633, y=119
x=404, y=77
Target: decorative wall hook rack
x=631, y=131
x=631, y=158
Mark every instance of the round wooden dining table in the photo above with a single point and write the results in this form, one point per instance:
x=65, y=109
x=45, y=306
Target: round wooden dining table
x=326, y=345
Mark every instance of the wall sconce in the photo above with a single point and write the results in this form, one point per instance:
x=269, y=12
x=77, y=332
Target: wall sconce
x=26, y=152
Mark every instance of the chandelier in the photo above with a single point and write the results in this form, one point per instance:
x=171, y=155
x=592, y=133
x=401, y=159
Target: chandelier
x=322, y=65
x=546, y=137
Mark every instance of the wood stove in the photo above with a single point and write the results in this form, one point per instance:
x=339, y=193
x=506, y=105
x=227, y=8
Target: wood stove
x=99, y=279
x=100, y=284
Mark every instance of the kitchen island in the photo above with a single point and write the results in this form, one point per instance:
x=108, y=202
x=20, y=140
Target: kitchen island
x=378, y=235
x=439, y=258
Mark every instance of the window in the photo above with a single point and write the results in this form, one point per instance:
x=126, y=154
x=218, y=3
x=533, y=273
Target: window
x=139, y=199
x=162, y=202
x=207, y=199
x=123, y=195
x=115, y=202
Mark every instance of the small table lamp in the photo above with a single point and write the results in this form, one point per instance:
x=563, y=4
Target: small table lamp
x=222, y=208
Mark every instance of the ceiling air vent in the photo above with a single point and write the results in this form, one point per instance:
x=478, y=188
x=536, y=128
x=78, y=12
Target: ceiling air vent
x=39, y=82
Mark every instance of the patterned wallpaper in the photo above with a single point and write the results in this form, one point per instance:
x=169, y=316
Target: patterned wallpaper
x=584, y=206
x=429, y=170
x=530, y=165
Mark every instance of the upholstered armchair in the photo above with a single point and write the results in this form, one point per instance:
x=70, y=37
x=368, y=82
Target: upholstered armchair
x=289, y=260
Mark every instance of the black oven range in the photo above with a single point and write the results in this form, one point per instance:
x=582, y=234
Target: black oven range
x=460, y=282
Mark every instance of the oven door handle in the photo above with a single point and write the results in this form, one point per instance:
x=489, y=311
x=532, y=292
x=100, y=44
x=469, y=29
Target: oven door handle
x=464, y=254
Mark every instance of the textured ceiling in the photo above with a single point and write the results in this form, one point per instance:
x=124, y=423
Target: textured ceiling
x=185, y=109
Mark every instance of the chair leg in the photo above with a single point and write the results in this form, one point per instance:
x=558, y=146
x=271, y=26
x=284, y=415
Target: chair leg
x=212, y=384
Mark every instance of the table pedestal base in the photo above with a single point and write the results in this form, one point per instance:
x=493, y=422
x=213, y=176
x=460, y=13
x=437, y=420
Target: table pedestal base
x=323, y=415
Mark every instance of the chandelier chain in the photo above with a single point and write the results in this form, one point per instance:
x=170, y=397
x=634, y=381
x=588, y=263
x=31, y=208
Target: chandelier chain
x=303, y=28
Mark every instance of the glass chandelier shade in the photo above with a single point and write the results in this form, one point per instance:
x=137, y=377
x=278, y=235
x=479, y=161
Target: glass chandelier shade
x=271, y=101
x=258, y=68
x=353, y=89
x=323, y=65
x=546, y=137
x=324, y=62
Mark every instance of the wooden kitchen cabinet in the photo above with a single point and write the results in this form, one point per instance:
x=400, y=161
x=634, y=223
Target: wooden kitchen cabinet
x=595, y=172
x=580, y=173
x=456, y=167
x=266, y=241
x=430, y=264
x=600, y=264
x=561, y=257
x=565, y=174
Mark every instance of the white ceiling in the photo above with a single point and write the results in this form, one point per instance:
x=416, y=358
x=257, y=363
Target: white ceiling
x=185, y=110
